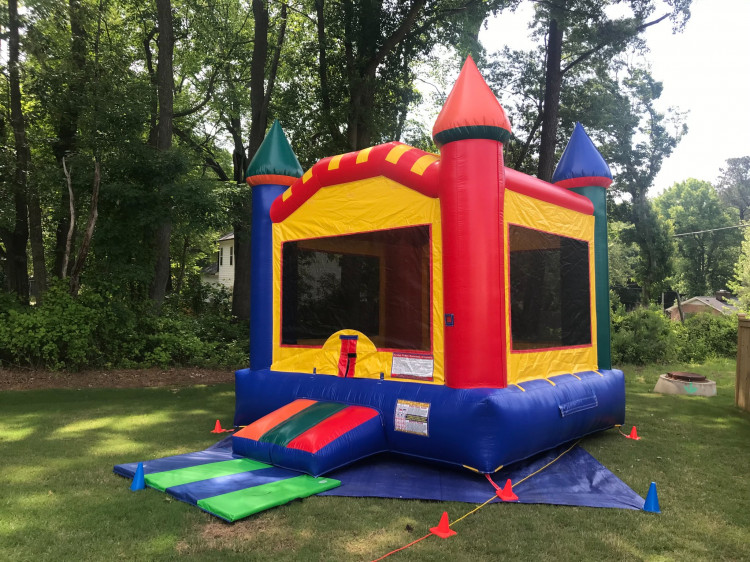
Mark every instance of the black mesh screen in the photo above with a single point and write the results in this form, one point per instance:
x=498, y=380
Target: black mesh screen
x=549, y=290
x=375, y=282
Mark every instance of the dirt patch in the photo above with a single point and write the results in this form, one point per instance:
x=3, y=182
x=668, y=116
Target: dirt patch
x=19, y=379
x=262, y=533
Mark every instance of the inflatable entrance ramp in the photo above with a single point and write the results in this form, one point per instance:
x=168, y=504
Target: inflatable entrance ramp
x=312, y=436
x=229, y=488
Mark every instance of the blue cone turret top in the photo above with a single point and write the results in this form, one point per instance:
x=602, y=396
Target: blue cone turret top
x=275, y=162
x=581, y=164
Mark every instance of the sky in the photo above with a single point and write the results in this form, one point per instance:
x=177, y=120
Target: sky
x=705, y=71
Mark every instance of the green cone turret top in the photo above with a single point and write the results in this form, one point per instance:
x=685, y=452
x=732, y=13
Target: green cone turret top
x=275, y=162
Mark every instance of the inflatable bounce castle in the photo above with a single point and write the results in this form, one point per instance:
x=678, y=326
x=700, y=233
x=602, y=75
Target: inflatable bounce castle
x=439, y=306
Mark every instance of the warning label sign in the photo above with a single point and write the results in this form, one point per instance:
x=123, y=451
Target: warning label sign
x=412, y=366
x=412, y=417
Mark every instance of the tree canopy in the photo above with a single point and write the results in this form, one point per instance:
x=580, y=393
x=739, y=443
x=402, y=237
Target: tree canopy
x=127, y=127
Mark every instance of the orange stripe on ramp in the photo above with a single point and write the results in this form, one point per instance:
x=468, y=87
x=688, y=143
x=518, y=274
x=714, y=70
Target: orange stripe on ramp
x=256, y=429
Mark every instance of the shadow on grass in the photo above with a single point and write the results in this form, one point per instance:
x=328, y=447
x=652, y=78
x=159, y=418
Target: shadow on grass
x=57, y=449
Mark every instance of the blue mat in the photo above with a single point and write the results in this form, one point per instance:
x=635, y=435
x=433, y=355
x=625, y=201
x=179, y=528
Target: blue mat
x=576, y=478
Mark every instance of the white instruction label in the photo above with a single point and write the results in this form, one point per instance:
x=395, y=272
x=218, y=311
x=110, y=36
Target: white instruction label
x=412, y=366
x=412, y=417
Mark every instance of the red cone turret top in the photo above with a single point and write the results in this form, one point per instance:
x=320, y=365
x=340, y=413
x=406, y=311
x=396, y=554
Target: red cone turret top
x=471, y=111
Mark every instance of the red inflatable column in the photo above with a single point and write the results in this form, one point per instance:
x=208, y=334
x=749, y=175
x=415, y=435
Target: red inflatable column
x=471, y=199
x=471, y=129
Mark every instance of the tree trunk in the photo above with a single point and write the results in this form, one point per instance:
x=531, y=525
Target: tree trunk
x=259, y=115
x=165, y=81
x=181, y=268
x=362, y=63
x=552, y=87
x=361, y=104
x=325, y=91
x=67, y=129
x=16, y=241
x=241, y=288
x=36, y=237
x=258, y=77
x=75, y=275
x=65, y=259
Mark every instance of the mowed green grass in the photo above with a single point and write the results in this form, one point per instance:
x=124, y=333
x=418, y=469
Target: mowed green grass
x=60, y=500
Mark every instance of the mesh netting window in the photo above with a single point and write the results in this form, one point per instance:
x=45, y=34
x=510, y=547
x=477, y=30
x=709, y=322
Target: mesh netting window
x=375, y=282
x=549, y=290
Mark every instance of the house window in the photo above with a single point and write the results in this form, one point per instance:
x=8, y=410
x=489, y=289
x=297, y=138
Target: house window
x=549, y=290
x=378, y=283
x=221, y=256
x=231, y=255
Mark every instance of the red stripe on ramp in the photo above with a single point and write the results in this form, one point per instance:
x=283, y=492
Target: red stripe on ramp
x=332, y=428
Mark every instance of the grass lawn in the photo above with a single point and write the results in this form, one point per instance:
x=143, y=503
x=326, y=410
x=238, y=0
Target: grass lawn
x=59, y=499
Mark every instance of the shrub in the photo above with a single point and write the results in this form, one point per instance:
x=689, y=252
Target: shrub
x=645, y=335
x=104, y=329
x=57, y=334
x=642, y=336
x=704, y=336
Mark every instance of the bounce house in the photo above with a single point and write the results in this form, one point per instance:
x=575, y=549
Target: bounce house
x=437, y=306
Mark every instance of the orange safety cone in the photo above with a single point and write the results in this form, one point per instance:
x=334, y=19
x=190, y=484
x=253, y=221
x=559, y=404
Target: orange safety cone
x=443, y=529
x=218, y=429
x=506, y=494
x=633, y=434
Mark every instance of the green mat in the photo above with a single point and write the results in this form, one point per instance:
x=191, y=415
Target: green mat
x=163, y=480
x=241, y=503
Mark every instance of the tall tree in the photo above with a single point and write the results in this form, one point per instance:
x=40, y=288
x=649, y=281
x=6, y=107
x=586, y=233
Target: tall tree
x=616, y=102
x=376, y=44
x=740, y=283
x=637, y=155
x=263, y=71
x=623, y=254
x=67, y=125
x=15, y=240
x=579, y=32
x=165, y=87
x=707, y=250
x=734, y=184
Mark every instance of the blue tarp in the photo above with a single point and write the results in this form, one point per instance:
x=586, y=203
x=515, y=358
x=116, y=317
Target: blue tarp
x=576, y=478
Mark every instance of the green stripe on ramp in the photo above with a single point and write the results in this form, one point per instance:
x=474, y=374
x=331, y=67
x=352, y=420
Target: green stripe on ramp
x=168, y=478
x=236, y=505
x=300, y=422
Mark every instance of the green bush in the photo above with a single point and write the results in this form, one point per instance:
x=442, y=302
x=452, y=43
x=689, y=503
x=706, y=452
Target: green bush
x=101, y=329
x=646, y=335
x=57, y=334
x=642, y=336
x=705, y=336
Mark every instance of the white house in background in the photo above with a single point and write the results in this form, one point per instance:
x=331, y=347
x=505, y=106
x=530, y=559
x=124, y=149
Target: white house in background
x=221, y=271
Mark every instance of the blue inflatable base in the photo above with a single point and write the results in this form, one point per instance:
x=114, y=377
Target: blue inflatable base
x=575, y=479
x=480, y=428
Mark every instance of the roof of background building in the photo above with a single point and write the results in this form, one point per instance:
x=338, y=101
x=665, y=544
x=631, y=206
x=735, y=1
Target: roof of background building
x=713, y=302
